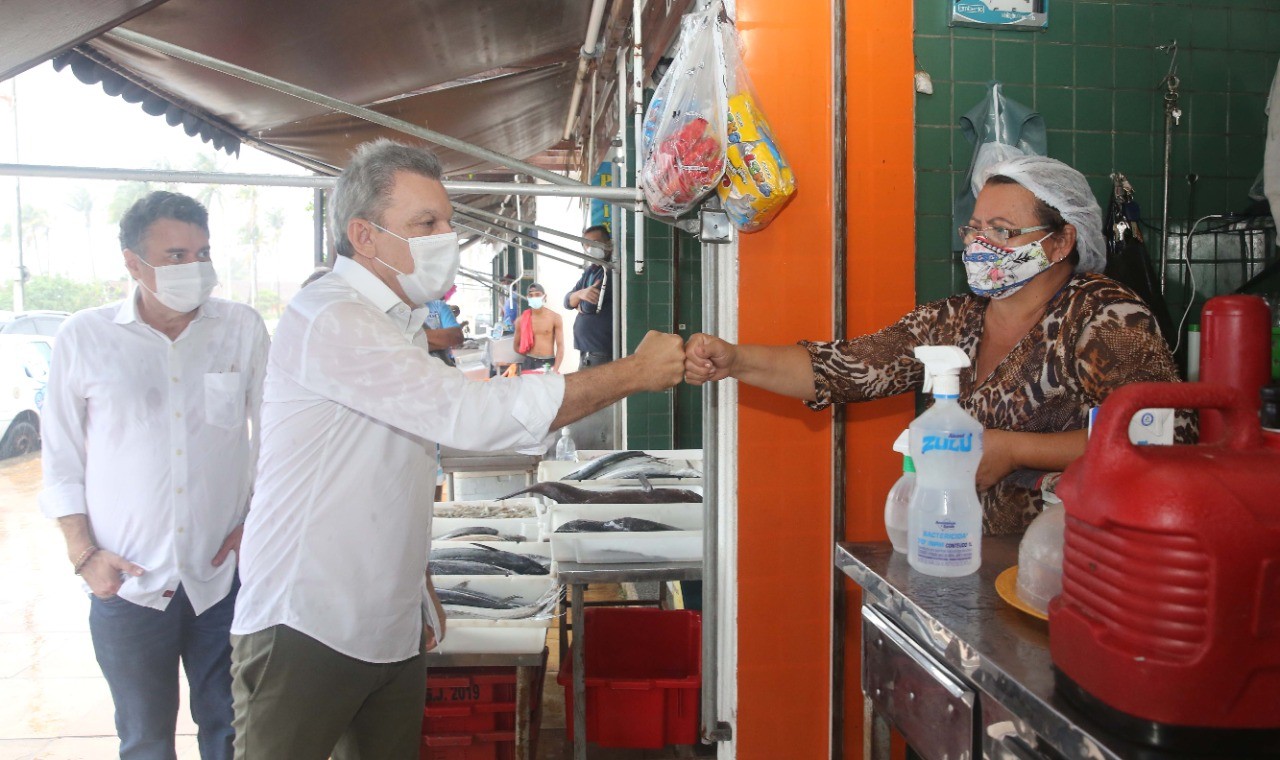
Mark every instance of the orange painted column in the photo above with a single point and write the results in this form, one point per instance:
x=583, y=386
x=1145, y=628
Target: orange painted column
x=784, y=457
x=881, y=274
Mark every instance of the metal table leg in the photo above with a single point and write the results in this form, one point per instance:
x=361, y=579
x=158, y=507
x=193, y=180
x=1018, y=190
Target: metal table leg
x=524, y=717
x=579, y=674
x=875, y=732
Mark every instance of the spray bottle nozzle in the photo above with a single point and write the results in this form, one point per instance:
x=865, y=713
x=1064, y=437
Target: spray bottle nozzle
x=942, y=365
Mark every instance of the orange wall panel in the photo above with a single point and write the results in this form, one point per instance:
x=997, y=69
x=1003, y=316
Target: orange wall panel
x=784, y=460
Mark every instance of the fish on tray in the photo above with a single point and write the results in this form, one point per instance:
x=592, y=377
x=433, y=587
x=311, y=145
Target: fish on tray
x=563, y=493
x=462, y=602
x=623, y=465
x=464, y=567
x=479, y=554
x=477, y=533
x=617, y=525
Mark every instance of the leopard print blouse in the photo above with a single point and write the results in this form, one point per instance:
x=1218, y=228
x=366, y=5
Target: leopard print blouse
x=1095, y=336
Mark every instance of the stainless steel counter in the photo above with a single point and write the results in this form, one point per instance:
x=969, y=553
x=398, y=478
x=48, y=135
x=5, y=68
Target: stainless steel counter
x=979, y=638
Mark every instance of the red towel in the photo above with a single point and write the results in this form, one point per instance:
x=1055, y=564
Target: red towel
x=524, y=332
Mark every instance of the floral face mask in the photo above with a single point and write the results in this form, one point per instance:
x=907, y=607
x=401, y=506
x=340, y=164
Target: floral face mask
x=998, y=272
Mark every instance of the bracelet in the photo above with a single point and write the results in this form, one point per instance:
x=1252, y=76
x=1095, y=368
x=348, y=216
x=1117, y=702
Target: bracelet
x=84, y=558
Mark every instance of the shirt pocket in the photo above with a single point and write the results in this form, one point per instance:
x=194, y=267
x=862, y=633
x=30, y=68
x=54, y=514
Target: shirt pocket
x=223, y=399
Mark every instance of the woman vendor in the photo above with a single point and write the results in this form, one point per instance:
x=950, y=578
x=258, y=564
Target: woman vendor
x=1048, y=337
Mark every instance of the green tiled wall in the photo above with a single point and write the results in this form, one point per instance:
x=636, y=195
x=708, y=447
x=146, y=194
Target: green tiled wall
x=666, y=297
x=1093, y=75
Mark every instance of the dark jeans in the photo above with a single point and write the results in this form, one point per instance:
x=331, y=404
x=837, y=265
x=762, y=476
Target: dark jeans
x=594, y=358
x=537, y=362
x=138, y=649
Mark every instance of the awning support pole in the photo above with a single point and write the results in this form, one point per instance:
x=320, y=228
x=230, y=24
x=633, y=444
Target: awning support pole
x=557, y=248
x=473, y=211
x=614, y=194
x=311, y=96
x=521, y=246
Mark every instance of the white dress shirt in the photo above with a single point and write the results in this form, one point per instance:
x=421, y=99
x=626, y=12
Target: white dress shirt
x=336, y=542
x=156, y=440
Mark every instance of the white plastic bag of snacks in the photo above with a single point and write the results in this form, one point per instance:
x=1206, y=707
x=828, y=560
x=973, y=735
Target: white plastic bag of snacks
x=684, y=134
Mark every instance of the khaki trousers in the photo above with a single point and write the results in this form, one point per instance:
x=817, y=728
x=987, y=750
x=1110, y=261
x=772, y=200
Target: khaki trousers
x=298, y=699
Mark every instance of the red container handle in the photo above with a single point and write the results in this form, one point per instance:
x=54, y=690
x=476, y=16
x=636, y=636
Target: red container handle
x=1111, y=431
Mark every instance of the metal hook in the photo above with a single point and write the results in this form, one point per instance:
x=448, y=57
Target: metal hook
x=1171, y=77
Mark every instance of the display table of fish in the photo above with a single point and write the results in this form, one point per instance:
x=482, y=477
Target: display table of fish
x=497, y=614
x=612, y=533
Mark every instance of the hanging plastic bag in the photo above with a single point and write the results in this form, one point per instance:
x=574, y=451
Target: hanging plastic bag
x=999, y=128
x=758, y=181
x=683, y=134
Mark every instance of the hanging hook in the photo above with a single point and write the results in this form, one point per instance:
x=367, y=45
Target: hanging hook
x=1170, y=80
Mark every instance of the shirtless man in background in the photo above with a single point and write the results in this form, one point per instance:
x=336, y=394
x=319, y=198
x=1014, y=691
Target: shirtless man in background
x=548, y=333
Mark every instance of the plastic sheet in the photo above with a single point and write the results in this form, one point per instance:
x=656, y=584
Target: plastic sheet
x=999, y=128
x=683, y=134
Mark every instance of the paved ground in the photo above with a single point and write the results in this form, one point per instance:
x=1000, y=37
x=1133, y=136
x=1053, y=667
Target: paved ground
x=54, y=703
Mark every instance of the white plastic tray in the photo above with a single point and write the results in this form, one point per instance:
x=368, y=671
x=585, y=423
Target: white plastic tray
x=659, y=546
x=511, y=526
x=530, y=505
x=472, y=636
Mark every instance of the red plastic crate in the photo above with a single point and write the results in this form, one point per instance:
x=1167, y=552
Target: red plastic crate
x=470, y=685
x=644, y=670
x=468, y=719
x=489, y=745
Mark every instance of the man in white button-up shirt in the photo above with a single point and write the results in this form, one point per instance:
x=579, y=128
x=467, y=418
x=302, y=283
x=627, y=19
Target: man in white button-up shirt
x=150, y=429
x=329, y=626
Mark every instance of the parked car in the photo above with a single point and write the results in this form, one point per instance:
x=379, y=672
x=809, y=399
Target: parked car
x=24, y=372
x=32, y=322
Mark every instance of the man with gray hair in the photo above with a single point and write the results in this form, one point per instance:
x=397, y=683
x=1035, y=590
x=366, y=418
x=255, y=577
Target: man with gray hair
x=337, y=604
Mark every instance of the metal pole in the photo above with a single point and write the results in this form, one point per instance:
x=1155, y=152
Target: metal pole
x=839, y=307
x=20, y=300
x=637, y=102
x=472, y=211
x=710, y=508
x=521, y=246
x=557, y=248
x=613, y=194
x=311, y=96
x=317, y=210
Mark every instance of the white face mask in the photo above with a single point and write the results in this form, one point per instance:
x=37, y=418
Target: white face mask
x=536, y=302
x=998, y=272
x=435, y=265
x=183, y=287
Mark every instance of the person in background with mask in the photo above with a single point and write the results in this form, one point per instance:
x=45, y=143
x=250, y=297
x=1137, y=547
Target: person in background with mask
x=547, y=329
x=1047, y=336
x=150, y=442
x=592, y=297
x=338, y=605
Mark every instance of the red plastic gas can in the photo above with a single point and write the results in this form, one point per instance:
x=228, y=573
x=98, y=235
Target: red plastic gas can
x=1169, y=619
x=1235, y=350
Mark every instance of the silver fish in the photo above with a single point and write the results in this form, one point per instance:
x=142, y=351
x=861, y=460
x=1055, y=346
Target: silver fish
x=563, y=493
x=594, y=467
x=520, y=564
x=465, y=567
x=652, y=468
x=617, y=525
x=477, y=533
x=464, y=597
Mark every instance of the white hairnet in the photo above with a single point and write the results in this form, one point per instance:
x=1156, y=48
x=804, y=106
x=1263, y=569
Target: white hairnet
x=1066, y=190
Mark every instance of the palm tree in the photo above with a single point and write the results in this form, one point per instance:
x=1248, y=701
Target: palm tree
x=80, y=200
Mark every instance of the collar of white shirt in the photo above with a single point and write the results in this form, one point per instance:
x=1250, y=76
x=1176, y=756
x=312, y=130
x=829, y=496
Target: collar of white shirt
x=383, y=298
x=128, y=312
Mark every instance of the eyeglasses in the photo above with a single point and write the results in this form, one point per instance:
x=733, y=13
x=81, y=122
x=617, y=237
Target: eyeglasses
x=997, y=235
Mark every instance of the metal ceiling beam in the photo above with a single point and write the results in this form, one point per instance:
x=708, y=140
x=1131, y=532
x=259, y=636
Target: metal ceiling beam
x=311, y=96
x=472, y=211
x=521, y=246
x=541, y=243
x=614, y=194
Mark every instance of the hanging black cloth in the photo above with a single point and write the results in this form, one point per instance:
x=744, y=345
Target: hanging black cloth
x=1127, y=259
